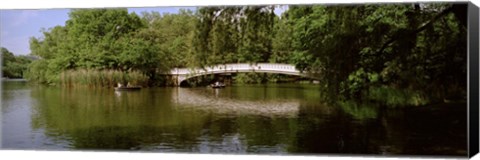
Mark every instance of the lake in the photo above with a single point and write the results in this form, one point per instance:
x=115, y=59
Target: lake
x=239, y=119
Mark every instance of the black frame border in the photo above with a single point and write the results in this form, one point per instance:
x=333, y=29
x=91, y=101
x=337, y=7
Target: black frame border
x=473, y=66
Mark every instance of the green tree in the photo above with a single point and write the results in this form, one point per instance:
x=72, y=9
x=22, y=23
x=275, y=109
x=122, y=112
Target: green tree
x=13, y=66
x=359, y=47
x=282, y=48
x=94, y=32
x=89, y=40
x=233, y=35
x=171, y=35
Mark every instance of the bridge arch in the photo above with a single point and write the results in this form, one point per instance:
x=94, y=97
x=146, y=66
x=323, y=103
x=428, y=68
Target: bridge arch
x=183, y=74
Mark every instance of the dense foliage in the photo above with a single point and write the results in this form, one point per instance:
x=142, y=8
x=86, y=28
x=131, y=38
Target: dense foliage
x=418, y=48
x=359, y=52
x=13, y=66
x=233, y=35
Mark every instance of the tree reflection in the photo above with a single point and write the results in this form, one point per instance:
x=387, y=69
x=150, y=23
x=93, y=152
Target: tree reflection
x=178, y=120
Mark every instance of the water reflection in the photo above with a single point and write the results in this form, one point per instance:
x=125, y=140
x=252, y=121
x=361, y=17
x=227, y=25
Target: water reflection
x=209, y=100
x=17, y=130
x=266, y=119
x=148, y=120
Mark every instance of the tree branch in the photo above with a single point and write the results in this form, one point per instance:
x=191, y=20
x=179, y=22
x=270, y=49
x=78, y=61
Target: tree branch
x=419, y=29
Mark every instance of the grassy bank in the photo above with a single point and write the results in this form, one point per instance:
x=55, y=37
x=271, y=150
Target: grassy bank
x=101, y=78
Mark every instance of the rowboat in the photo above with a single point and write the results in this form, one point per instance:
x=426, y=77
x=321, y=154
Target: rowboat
x=121, y=87
x=134, y=88
x=217, y=85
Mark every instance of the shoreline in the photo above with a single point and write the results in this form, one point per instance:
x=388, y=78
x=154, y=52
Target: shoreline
x=14, y=80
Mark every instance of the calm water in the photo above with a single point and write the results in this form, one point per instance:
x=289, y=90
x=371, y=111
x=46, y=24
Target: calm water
x=262, y=119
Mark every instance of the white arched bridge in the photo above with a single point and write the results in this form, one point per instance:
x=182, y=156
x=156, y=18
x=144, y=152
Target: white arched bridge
x=182, y=74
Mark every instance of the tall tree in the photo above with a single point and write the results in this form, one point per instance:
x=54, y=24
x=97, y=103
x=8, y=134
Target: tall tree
x=356, y=47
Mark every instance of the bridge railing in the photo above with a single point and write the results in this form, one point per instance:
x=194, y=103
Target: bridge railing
x=236, y=67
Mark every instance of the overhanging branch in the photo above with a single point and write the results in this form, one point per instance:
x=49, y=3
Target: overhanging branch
x=416, y=31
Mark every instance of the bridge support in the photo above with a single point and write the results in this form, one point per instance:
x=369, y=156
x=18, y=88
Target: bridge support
x=179, y=80
x=227, y=79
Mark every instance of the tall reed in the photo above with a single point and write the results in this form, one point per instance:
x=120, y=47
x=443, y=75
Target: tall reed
x=102, y=78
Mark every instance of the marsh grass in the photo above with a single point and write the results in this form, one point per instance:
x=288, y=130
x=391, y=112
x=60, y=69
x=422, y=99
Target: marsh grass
x=101, y=78
x=396, y=97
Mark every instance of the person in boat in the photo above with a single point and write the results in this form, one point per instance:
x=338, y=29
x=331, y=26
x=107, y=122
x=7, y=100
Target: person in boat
x=218, y=84
x=119, y=85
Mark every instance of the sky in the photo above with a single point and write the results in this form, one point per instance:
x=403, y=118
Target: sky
x=17, y=26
